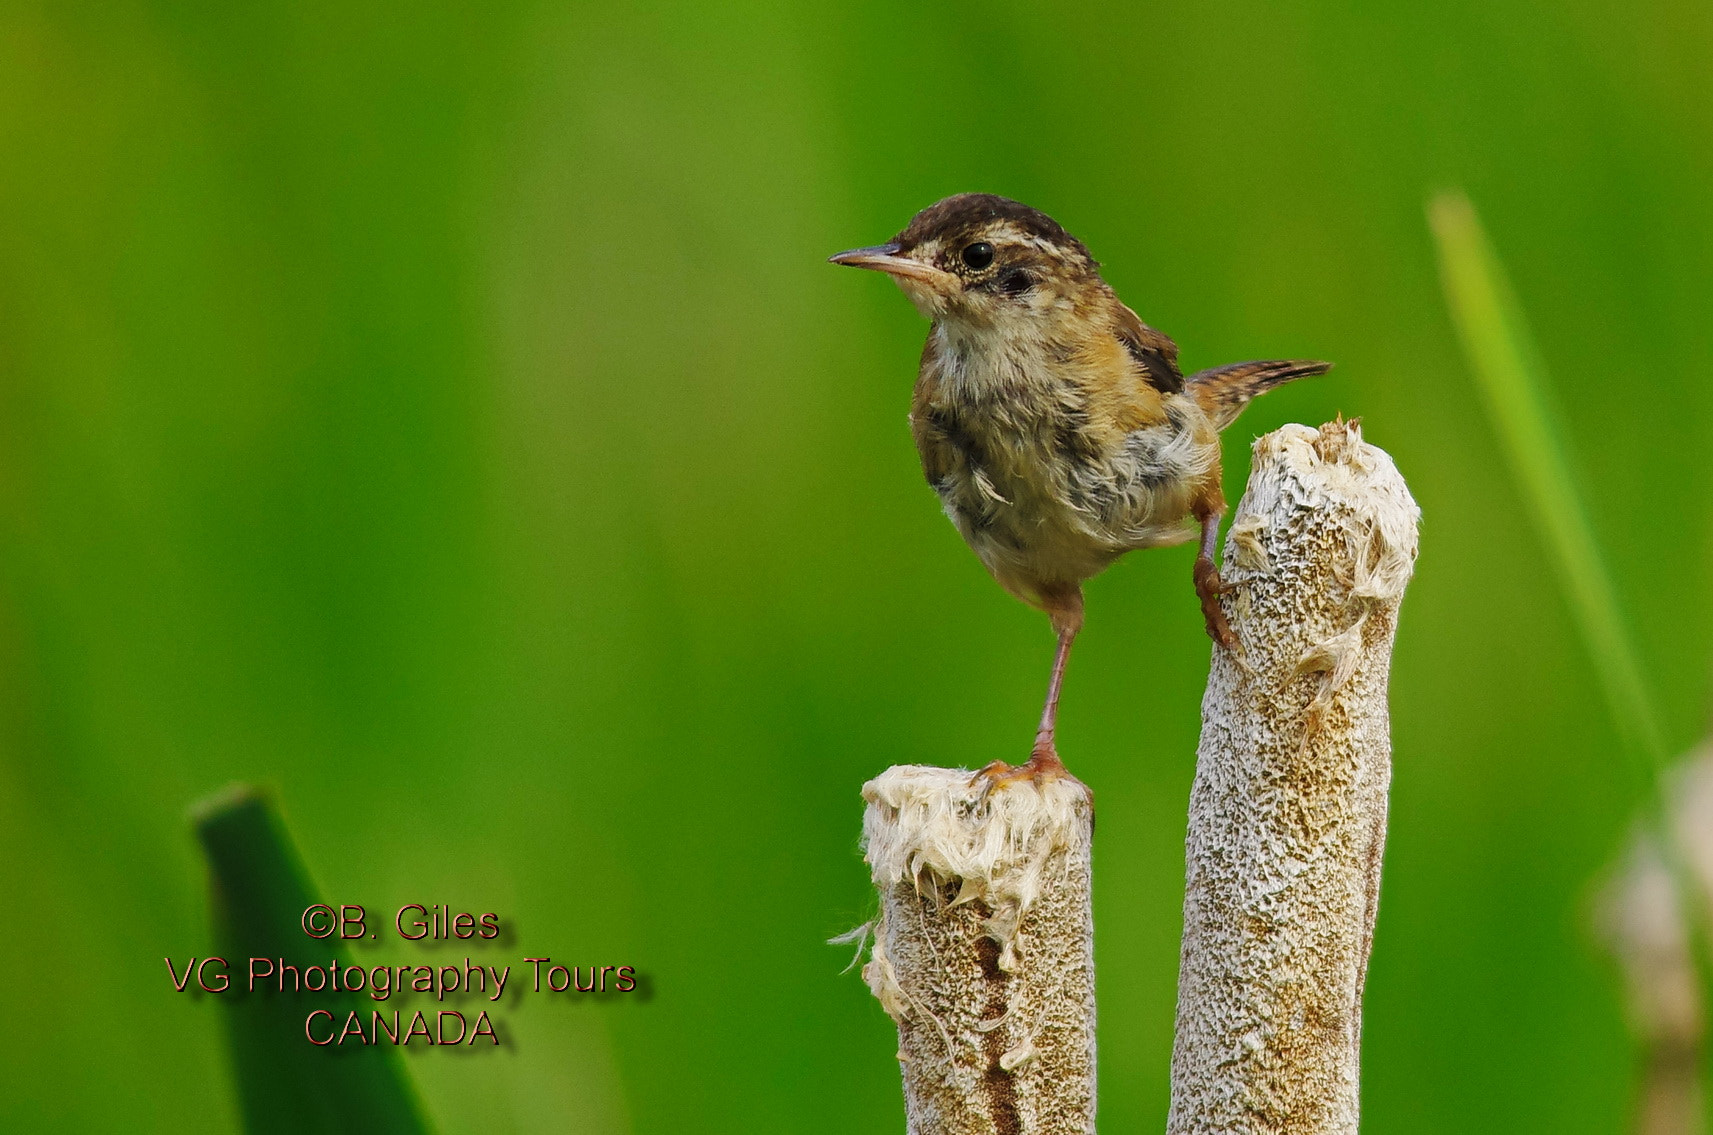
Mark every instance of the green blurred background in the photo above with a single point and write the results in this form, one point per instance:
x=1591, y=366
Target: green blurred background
x=445, y=416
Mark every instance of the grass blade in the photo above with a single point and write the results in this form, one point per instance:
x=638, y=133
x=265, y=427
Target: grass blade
x=1513, y=383
x=286, y=1084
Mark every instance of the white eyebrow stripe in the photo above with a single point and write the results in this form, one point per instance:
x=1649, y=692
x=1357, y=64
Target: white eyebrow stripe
x=1008, y=233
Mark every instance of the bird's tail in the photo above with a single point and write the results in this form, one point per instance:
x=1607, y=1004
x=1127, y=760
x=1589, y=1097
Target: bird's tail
x=1224, y=391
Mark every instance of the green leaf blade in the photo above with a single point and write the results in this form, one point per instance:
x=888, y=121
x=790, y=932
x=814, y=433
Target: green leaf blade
x=286, y=1084
x=1511, y=376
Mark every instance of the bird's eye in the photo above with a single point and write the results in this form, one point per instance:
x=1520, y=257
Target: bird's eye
x=978, y=255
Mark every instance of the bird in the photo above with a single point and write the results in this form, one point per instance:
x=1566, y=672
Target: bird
x=1055, y=426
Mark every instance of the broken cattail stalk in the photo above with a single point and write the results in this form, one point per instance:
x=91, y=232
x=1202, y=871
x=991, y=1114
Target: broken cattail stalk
x=1640, y=917
x=984, y=949
x=1288, y=810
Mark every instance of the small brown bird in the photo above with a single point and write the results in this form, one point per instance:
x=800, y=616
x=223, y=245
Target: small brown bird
x=1053, y=423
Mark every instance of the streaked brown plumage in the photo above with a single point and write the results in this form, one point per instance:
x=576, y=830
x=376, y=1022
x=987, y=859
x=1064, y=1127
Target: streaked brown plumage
x=1053, y=423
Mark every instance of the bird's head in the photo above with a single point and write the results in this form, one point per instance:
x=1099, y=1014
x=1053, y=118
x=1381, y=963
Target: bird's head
x=981, y=259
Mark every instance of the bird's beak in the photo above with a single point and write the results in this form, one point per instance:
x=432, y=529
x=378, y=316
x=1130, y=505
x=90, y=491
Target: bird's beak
x=885, y=258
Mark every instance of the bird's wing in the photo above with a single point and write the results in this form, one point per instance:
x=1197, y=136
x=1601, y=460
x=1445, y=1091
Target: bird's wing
x=1153, y=350
x=936, y=433
x=940, y=457
x=1224, y=391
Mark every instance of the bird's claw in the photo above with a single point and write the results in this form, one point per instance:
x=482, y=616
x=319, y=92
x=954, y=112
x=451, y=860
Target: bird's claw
x=1209, y=587
x=1042, y=767
x=1218, y=628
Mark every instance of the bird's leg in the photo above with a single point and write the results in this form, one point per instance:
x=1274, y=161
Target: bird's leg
x=1043, y=763
x=1209, y=587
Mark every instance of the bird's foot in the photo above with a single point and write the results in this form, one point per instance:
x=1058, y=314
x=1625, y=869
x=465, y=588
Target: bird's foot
x=1209, y=587
x=1042, y=767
